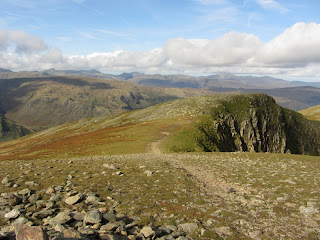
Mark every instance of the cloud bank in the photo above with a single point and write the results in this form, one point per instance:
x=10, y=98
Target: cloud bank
x=295, y=53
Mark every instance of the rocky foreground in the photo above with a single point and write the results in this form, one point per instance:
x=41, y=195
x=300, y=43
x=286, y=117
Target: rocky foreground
x=60, y=212
x=162, y=196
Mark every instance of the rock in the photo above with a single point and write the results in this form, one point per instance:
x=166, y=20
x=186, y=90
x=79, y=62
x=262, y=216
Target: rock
x=148, y=172
x=188, y=227
x=33, y=198
x=31, y=183
x=110, y=217
x=12, y=214
x=14, y=200
x=109, y=227
x=308, y=210
x=92, y=200
x=5, y=180
x=77, y=216
x=71, y=233
x=73, y=199
x=49, y=190
x=60, y=218
x=87, y=231
x=59, y=228
x=25, y=232
x=119, y=173
x=20, y=221
x=147, y=231
x=25, y=192
x=223, y=231
x=94, y=216
x=110, y=166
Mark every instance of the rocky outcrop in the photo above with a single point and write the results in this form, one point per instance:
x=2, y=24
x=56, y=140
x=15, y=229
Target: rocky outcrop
x=255, y=123
x=9, y=130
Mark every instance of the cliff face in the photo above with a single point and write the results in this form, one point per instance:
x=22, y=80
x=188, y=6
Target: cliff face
x=255, y=123
x=9, y=130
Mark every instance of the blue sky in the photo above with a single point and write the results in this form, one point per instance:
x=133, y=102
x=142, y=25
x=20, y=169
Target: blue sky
x=196, y=37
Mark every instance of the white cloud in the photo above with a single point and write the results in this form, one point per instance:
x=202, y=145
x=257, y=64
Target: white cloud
x=272, y=4
x=22, y=42
x=297, y=46
x=294, y=53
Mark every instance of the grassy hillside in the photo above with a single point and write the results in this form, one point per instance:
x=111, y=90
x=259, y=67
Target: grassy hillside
x=312, y=113
x=39, y=103
x=183, y=120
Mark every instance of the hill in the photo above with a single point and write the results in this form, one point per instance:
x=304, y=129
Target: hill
x=312, y=113
x=253, y=123
x=38, y=103
x=293, y=95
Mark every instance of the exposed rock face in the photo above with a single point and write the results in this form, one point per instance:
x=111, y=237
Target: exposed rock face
x=9, y=130
x=255, y=123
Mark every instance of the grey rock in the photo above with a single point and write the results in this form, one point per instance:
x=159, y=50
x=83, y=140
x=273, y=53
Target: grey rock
x=93, y=216
x=147, y=231
x=110, y=217
x=73, y=199
x=223, y=231
x=31, y=183
x=12, y=214
x=87, y=231
x=92, y=200
x=308, y=210
x=33, y=198
x=60, y=218
x=188, y=227
x=20, y=220
x=110, y=166
x=25, y=191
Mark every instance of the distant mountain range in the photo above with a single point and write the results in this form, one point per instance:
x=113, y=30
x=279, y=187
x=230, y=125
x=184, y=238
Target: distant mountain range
x=211, y=82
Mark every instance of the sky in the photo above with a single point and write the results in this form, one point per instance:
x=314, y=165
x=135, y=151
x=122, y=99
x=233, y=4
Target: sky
x=279, y=38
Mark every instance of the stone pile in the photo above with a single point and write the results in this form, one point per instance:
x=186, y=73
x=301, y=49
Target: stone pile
x=60, y=212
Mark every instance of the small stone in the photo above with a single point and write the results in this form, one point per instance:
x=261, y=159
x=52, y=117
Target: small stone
x=92, y=200
x=59, y=228
x=308, y=210
x=73, y=199
x=109, y=227
x=223, y=231
x=60, y=218
x=20, y=220
x=94, y=216
x=31, y=183
x=71, y=233
x=5, y=180
x=148, y=172
x=188, y=227
x=49, y=190
x=110, y=217
x=12, y=214
x=25, y=192
x=110, y=166
x=147, y=231
x=119, y=173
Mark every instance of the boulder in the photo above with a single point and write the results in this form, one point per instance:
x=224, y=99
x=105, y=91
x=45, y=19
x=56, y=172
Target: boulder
x=25, y=232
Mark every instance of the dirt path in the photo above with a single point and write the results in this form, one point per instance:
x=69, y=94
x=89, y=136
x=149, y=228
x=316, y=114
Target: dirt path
x=210, y=182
